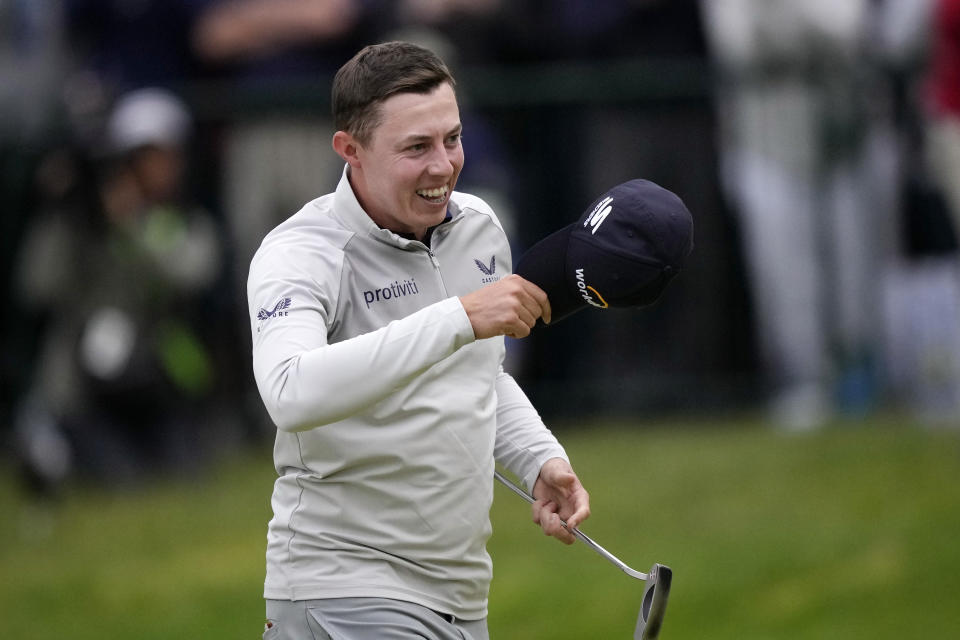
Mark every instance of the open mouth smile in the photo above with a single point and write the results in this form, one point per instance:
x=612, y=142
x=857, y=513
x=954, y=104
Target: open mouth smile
x=437, y=195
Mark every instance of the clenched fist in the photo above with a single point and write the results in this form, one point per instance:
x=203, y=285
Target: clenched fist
x=508, y=307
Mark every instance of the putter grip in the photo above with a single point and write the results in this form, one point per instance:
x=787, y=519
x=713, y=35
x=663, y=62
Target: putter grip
x=576, y=532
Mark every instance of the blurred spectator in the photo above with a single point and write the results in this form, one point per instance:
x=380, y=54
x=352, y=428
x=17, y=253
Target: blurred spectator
x=277, y=153
x=118, y=46
x=126, y=373
x=129, y=44
x=585, y=30
x=274, y=154
x=923, y=287
x=943, y=106
x=808, y=162
x=33, y=64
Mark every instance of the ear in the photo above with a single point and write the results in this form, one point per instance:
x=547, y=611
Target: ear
x=347, y=148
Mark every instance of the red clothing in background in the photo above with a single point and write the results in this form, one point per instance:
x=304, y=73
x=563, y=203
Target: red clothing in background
x=944, y=87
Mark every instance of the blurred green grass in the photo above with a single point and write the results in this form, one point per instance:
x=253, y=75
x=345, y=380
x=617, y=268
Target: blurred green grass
x=848, y=532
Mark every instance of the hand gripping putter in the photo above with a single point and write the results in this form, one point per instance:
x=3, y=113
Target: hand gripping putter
x=655, y=594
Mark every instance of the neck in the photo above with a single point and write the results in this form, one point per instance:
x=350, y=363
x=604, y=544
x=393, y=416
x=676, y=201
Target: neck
x=359, y=188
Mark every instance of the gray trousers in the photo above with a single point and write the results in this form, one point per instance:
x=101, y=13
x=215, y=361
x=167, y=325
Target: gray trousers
x=365, y=619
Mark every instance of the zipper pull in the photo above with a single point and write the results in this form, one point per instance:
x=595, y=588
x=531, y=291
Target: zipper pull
x=433, y=258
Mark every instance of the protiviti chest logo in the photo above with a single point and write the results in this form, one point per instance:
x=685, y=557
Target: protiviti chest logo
x=488, y=270
x=396, y=289
x=590, y=295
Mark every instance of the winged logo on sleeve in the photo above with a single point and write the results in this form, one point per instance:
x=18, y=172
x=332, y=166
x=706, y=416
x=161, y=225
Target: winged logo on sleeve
x=282, y=304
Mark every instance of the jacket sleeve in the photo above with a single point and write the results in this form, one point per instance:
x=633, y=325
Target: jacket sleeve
x=306, y=382
x=523, y=441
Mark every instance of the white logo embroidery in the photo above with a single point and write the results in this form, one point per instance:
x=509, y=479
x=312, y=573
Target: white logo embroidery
x=599, y=214
x=587, y=292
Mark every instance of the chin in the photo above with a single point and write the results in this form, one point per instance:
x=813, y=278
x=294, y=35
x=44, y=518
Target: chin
x=433, y=212
x=441, y=215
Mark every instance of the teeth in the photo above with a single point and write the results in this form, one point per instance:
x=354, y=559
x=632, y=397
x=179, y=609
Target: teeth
x=433, y=193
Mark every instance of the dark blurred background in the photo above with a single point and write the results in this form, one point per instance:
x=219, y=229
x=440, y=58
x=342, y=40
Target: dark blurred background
x=147, y=145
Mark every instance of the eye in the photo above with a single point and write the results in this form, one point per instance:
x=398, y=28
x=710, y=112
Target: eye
x=420, y=146
x=454, y=139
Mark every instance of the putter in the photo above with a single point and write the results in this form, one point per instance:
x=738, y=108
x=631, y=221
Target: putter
x=655, y=594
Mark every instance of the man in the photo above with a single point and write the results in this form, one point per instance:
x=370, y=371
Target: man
x=377, y=314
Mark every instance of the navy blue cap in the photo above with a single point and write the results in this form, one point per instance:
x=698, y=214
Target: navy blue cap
x=622, y=252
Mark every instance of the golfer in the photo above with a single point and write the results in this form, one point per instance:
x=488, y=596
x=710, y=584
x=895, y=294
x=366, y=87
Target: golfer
x=378, y=313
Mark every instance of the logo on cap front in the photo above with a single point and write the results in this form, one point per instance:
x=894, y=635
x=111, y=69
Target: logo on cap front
x=599, y=214
x=590, y=295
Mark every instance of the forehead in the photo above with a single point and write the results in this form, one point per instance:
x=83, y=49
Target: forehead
x=406, y=115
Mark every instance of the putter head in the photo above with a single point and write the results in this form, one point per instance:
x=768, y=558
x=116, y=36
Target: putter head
x=654, y=605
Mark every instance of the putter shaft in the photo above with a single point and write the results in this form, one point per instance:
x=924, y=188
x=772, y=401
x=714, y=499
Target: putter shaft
x=633, y=573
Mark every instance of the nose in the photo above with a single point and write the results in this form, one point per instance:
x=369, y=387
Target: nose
x=443, y=162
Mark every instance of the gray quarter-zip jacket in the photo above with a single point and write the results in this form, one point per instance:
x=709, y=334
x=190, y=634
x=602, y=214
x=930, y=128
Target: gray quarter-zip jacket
x=389, y=412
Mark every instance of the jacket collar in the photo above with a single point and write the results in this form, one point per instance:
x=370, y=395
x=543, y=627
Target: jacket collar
x=347, y=209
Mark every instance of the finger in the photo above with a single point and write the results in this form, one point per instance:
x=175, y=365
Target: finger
x=575, y=503
x=581, y=513
x=520, y=330
x=541, y=509
x=520, y=324
x=547, y=313
x=551, y=523
x=543, y=302
x=549, y=520
x=528, y=315
x=539, y=303
x=553, y=526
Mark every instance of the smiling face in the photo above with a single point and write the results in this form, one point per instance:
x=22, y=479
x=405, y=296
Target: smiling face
x=404, y=175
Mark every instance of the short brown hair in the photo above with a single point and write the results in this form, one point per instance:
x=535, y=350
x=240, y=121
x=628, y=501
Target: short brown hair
x=374, y=74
